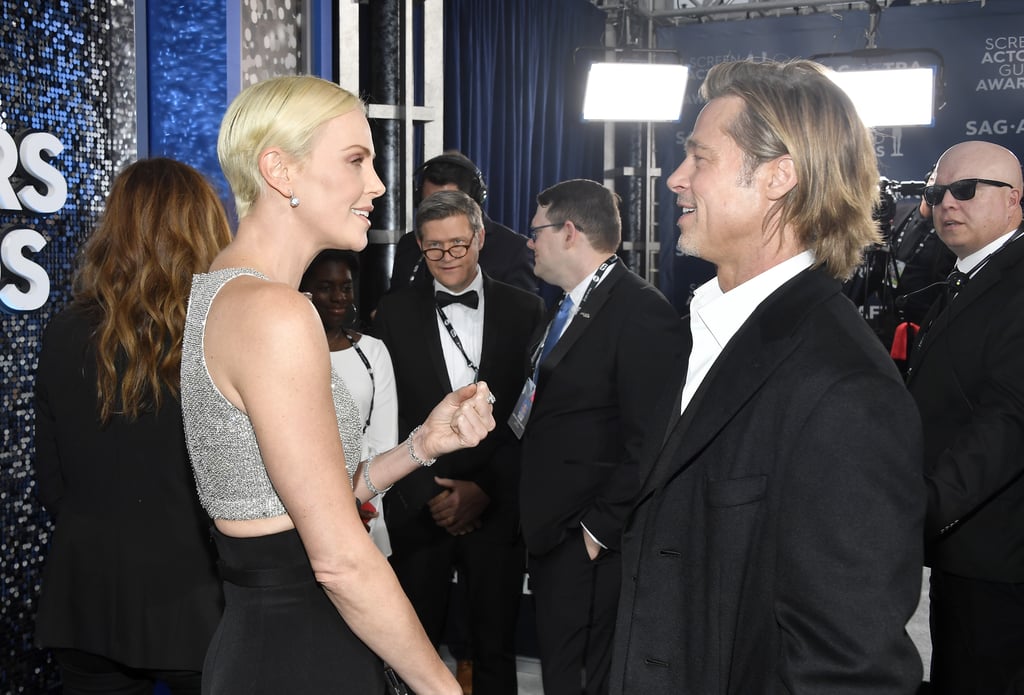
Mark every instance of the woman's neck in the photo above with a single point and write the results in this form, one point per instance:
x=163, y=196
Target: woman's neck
x=338, y=338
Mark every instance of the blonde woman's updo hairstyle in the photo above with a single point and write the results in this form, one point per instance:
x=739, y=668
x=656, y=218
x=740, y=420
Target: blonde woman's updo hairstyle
x=280, y=112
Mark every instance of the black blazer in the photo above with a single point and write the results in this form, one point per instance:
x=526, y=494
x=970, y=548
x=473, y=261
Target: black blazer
x=596, y=392
x=131, y=569
x=407, y=323
x=505, y=257
x=967, y=377
x=776, y=544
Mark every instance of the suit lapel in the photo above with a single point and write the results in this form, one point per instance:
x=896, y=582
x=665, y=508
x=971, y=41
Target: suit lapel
x=763, y=342
x=492, y=314
x=578, y=326
x=426, y=313
x=987, y=277
x=674, y=396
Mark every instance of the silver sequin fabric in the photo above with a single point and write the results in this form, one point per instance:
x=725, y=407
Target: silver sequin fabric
x=230, y=476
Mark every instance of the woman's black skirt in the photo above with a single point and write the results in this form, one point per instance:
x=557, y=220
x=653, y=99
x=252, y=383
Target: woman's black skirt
x=280, y=633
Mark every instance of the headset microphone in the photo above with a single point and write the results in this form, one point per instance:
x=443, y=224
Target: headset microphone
x=452, y=167
x=957, y=280
x=901, y=301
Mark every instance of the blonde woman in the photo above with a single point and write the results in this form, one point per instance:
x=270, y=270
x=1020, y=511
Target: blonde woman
x=311, y=605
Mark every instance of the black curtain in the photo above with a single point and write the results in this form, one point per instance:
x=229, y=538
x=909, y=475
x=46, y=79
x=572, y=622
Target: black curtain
x=514, y=97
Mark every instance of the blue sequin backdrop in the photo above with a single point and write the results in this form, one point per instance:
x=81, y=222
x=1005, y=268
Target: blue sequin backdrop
x=57, y=76
x=69, y=69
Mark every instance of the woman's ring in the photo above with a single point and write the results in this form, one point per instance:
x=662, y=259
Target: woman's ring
x=491, y=399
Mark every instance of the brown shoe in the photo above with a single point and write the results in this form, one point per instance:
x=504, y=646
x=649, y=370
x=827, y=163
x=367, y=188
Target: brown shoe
x=464, y=675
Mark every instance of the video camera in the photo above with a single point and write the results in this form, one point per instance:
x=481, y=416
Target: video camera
x=873, y=284
x=888, y=193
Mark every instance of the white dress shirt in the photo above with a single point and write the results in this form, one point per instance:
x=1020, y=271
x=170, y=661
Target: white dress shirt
x=469, y=326
x=972, y=264
x=716, y=316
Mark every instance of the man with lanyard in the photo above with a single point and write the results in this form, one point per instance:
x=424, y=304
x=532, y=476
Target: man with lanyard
x=597, y=367
x=463, y=512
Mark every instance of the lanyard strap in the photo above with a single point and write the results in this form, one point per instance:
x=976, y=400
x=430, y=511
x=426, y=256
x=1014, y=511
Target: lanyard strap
x=598, y=274
x=455, y=339
x=415, y=270
x=369, y=370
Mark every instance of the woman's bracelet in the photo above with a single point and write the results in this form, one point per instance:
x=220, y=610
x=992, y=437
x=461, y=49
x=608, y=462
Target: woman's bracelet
x=366, y=478
x=412, y=452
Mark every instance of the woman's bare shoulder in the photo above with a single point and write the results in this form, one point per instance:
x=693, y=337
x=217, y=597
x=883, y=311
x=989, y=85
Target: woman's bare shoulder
x=256, y=320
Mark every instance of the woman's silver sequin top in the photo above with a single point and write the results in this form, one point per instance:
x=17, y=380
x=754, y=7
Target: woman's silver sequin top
x=226, y=460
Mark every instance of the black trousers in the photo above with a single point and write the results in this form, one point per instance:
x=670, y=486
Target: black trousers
x=576, y=600
x=493, y=575
x=977, y=630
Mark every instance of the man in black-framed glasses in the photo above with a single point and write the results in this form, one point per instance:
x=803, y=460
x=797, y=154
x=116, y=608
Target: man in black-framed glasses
x=456, y=249
x=967, y=377
x=461, y=327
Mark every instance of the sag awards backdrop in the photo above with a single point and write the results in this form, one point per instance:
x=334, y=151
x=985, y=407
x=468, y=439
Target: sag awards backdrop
x=87, y=85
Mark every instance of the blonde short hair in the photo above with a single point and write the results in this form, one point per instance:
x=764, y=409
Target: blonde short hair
x=282, y=112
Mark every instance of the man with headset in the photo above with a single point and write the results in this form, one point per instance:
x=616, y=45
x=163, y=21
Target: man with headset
x=967, y=377
x=505, y=257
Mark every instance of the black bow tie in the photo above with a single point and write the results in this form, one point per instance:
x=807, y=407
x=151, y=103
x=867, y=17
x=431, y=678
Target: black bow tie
x=470, y=299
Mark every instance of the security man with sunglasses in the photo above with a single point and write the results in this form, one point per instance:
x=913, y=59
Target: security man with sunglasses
x=463, y=512
x=967, y=376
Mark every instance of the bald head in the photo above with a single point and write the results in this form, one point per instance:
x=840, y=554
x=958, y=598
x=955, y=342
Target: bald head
x=967, y=226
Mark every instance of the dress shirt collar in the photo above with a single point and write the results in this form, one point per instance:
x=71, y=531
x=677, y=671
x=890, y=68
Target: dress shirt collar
x=477, y=284
x=968, y=264
x=579, y=290
x=723, y=313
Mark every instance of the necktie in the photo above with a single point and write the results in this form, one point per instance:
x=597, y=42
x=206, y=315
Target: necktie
x=557, y=324
x=470, y=299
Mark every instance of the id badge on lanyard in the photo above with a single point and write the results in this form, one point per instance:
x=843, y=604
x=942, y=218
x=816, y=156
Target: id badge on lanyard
x=521, y=413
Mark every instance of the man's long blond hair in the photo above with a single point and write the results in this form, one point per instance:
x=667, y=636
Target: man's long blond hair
x=794, y=108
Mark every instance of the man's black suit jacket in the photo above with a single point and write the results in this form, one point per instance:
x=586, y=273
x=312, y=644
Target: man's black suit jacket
x=967, y=377
x=505, y=257
x=776, y=545
x=596, y=392
x=407, y=323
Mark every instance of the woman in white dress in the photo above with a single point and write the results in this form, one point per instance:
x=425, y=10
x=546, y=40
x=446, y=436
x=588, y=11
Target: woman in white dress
x=362, y=362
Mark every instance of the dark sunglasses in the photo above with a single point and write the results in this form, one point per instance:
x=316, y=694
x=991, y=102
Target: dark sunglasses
x=961, y=190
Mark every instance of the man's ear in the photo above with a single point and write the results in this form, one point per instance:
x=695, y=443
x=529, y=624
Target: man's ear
x=572, y=233
x=782, y=176
x=480, y=233
x=275, y=171
x=1014, y=198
